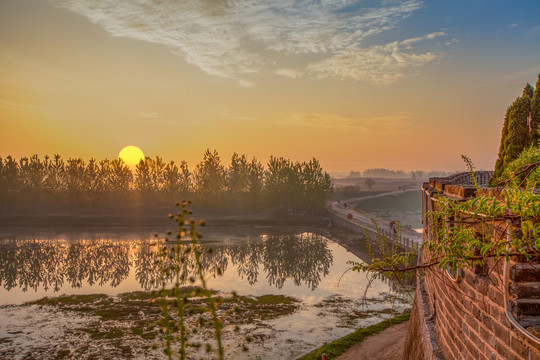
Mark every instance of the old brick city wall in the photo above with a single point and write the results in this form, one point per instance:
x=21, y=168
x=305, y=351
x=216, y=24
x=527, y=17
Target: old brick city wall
x=463, y=316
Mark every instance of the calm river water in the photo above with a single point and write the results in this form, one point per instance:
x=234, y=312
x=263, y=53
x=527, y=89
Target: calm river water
x=304, y=264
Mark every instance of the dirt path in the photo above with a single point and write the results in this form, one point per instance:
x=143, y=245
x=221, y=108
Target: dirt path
x=386, y=345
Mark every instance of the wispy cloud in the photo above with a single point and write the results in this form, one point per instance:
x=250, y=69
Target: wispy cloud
x=238, y=117
x=234, y=39
x=382, y=64
x=148, y=115
x=380, y=124
x=290, y=73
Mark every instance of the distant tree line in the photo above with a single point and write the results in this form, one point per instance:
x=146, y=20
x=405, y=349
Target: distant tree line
x=73, y=186
x=397, y=174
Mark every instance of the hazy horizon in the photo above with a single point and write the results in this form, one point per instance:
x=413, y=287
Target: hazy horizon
x=403, y=85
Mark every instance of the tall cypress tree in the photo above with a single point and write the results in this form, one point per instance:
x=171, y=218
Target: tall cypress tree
x=518, y=129
x=499, y=165
x=515, y=135
x=535, y=115
x=528, y=91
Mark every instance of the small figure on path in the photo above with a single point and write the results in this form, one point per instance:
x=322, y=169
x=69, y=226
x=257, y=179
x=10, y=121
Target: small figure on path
x=393, y=226
x=345, y=205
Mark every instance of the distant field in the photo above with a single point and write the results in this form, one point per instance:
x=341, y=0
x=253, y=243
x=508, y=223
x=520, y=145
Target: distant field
x=404, y=206
x=404, y=201
x=340, y=194
x=379, y=184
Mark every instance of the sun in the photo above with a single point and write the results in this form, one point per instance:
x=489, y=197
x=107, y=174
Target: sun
x=131, y=155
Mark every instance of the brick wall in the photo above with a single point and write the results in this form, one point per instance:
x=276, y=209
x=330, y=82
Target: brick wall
x=463, y=319
x=469, y=317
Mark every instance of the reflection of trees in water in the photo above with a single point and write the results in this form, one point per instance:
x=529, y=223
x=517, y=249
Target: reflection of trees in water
x=304, y=257
x=147, y=271
x=102, y=262
x=247, y=258
x=31, y=264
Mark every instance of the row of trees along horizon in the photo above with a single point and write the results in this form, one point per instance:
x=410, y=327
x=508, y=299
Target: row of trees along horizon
x=397, y=174
x=35, y=185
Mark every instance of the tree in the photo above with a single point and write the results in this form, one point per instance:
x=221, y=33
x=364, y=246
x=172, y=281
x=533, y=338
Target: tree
x=384, y=173
x=54, y=179
x=94, y=187
x=354, y=174
x=171, y=180
x=238, y=174
x=9, y=182
x=210, y=179
x=32, y=178
x=75, y=180
x=143, y=177
x=237, y=180
x=518, y=129
x=185, y=181
x=535, y=115
x=528, y=91
x=283, y=183
x=255, y=181
x=520, y=173
x=499, y=164
x=516, y=136
x=105, y=180
x=317, y=184
x=119, y=180
x=157, y=169
x=369, y=183
x=149, y=179
x=418, y=174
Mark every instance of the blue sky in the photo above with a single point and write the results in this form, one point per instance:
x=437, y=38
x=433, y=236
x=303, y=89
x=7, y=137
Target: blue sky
x=358, y=84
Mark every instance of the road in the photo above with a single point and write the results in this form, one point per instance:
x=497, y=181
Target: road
x=346, y=207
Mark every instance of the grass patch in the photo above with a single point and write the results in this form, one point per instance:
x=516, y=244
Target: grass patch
x=265, y=300
x=404, y=206
x=265, y=307
x=404, y=201
x=97, y=334
x=69, y=300
x=351, y=192
x=118, y=311
x=339, y=346
x=139, y=331
x=139, y=295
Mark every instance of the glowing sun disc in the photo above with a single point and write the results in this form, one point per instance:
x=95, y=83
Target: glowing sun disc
x=131, y=155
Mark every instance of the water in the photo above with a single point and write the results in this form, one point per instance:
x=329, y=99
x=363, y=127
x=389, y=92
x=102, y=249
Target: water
x=306, y=265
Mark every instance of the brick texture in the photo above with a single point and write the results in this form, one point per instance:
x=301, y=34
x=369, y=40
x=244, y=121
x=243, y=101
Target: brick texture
x=469, y=319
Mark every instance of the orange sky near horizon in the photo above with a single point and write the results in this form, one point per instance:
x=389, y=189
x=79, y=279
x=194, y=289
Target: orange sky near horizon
x=413, y=87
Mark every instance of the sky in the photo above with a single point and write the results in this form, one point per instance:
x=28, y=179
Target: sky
x=408, y=85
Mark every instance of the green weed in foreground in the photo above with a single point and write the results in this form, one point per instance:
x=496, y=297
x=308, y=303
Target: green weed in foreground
x=179, y=261
x=339, y=346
